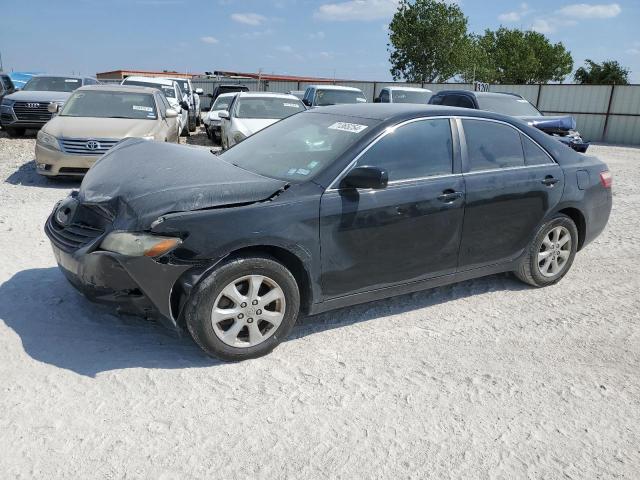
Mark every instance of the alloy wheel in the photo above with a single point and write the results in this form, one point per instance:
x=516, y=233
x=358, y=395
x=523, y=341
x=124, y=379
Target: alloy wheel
x=554, y=252
x=248, y=311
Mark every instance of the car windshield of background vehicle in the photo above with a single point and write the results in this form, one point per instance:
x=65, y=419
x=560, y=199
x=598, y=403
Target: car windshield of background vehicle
x=110, y=105
x=298, y=148
x=336, y=97
x=168, y=90
x=409, y=96
x=52, y=84
x=222, y=103
x=268, y=107
x=508, y=105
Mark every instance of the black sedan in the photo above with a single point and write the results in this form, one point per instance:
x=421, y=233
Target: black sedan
x=327, y=208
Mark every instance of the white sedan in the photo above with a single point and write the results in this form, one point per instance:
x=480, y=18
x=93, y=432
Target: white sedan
x=211, y=119
x=250, y=112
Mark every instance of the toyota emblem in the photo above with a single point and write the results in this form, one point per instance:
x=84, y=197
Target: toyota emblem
x=93, y=145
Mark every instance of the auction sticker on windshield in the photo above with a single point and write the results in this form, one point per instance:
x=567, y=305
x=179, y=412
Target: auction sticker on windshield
x=347, y=127
x=142, y=108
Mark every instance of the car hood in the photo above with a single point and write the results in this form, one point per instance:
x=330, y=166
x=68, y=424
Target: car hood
x=138, y=181
x=249, y=126
x=551, y=124
x=37, y=96
x=92, y=127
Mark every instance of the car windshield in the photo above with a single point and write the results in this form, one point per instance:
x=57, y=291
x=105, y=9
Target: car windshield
x=222, y=103
x=268, y=107
x=297, y=148
x=507, y=105
x=336, y=97
x=168, y=90
x=98, y=104
x=52, y=84
x=411, y=96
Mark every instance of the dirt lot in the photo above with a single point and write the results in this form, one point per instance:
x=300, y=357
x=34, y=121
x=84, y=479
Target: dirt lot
x=485, y=379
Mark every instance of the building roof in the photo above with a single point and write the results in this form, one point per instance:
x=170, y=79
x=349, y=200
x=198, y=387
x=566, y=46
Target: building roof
x=148, y=73
x=271, y=76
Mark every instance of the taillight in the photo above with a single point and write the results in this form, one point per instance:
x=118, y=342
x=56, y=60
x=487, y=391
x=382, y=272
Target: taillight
x=606, y=179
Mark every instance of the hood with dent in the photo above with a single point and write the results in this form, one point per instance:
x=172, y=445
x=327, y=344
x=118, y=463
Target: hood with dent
x=139, y=181
x=38, y=96
x=559, y=124
x=93, y=127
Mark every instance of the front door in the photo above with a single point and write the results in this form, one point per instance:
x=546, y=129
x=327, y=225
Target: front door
x=406, y=232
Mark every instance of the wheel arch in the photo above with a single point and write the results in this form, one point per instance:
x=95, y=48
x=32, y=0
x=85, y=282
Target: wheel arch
x=578, y=218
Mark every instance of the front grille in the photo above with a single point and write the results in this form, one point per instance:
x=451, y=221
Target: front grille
x=71, y=237
x=87, y=146
x=32, y=111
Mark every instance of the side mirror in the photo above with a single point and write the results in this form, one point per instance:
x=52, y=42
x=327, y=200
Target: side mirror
x=224, y=114
x=170, y=113
x=199, y=91
x=53, y=107
x=366, y=177
x=306, y=102
x=184, y=105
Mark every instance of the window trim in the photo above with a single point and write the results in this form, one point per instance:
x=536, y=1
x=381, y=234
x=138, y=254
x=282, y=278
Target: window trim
x=455, y=164
x=465, y=151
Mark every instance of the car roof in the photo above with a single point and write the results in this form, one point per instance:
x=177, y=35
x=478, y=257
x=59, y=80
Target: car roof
x=265, y=95
x=480, y=94
x=79, y=77
x=228, y=94
x=407, y=89
x=335, y=87
x=397, y=112
x=118, y=88
x=154, y=80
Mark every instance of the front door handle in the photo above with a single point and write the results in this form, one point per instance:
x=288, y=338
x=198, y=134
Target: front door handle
x=449, y=196
x=549, y=181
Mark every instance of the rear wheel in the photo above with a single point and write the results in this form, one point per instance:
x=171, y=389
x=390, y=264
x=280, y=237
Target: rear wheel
x=550, y=255
x=14, y=132
x=244, y=309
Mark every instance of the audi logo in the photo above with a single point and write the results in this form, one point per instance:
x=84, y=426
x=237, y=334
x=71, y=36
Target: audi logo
x=33, y=105
x=93, y=145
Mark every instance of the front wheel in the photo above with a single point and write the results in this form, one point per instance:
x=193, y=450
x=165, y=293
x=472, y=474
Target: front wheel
x=244, y=309
x=550, y=255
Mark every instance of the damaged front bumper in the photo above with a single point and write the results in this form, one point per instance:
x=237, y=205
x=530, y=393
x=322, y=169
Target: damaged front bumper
x=137, y=285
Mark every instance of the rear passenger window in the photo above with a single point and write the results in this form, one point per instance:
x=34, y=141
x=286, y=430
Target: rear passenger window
x=492, y=145
x=418, y=149
x=533, y=154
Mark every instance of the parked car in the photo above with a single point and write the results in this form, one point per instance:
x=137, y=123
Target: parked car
x=324, y=95
x=563, y=128
x=212, y=119
x=404, y=95
x=251, y=112
x=94, y=119
x=6, y=86
x=193, y=99
x=171, y=91
x=324, y=209
x=29, y=108
x=224, y=88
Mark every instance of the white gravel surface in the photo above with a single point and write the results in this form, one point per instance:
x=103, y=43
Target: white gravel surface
x=485, y=379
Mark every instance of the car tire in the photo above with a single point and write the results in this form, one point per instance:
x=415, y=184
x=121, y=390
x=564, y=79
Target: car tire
x=551, y=253
x=208, y=132
x=14, y=132
x=238, y=335
x=192, y=124
x=198, y=120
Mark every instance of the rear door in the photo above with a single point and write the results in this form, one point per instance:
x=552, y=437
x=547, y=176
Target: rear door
x=406, y=232
x=511, y=185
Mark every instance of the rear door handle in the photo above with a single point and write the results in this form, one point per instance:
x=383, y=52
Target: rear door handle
x=549, y=181
x=449, y=196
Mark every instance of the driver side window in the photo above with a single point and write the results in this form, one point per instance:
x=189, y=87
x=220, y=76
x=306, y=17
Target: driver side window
x=418, y=149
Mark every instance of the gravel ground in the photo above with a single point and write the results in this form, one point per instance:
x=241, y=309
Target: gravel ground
x=484, y=379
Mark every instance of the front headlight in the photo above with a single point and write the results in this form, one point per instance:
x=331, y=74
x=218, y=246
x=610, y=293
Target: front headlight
x=239, y=136
x=48, y=140
x=139, y=244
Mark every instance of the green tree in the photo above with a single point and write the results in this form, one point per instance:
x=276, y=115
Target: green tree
x=515, y=56
x=427, y=41
x=609, y=71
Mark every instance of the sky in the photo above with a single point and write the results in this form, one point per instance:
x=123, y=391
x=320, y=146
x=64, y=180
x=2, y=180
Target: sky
x=345, y=39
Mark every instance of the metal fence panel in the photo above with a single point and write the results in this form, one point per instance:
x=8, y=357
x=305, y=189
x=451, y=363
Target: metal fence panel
x=626, y=100
x=437, y=87
x=624, y=130
x=575, y=98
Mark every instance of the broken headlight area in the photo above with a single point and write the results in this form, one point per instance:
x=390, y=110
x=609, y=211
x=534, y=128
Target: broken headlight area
x=133, y=244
